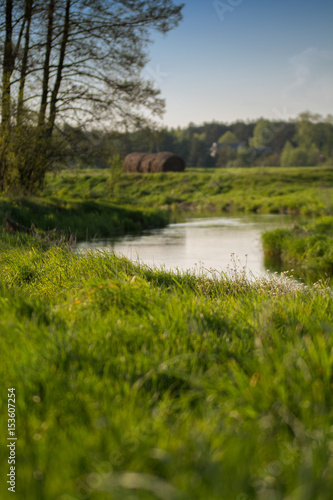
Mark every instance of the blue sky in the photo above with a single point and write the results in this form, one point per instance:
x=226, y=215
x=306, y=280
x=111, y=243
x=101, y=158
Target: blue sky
x=243, y=59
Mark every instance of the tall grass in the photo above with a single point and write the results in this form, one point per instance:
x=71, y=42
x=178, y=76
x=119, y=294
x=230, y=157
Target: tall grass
x=84, y=203
x=308, y=247
x=143, y=384
x=305, y=191
x=82, y=218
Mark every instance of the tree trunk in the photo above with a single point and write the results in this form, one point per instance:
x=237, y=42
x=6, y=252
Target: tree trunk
x=8, y=64
x=54, y=95
x=24, y=68
x=46, y=68
x=7, y=69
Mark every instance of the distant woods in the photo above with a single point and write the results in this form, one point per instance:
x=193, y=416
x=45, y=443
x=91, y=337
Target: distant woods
x=71, y=62
x=306, y=141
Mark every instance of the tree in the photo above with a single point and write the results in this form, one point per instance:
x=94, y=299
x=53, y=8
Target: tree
x=283, y=132
x=242, y=130
x=198, y=152
x=82, y=61
x=225, y=154
x=299, y=156
x=286, y=155
x=305, y=129
x=11, y=44
x=228, y=137
x=327, y=135
x=263, y=134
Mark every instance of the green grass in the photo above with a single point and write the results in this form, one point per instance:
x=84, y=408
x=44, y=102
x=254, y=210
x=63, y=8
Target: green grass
x=308, y=247
x=142, y=384
x=87, y=204
x=134, y=383
x=305, y=191
x=82, y=218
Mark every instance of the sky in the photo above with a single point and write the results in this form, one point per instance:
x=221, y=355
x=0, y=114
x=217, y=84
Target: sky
x=245, y=59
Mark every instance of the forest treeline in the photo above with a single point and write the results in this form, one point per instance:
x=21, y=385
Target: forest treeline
x=305, y=141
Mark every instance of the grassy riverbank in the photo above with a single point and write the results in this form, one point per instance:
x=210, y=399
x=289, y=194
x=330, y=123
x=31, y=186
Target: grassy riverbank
x=308, y=247
x=95, y=203
x=82, y=218
x=142, y=384
x=305, y=191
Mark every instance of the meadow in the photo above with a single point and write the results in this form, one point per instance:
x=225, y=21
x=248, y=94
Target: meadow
x=101, y=203
x=305, y=191
x=141, y=384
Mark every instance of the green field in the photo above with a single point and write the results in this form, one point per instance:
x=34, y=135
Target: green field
x=97, y=203
x=306, y=191
x=140, y=384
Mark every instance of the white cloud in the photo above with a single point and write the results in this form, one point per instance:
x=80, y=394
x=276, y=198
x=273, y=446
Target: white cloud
x=312, y=71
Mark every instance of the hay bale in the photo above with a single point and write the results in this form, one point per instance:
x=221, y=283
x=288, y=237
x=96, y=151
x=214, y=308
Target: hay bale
x=154, y=162
x=132, y=162
x=167, y=162
x=147, y=164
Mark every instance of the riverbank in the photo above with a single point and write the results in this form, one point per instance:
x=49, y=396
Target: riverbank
x=82, y=218
x=93, y=203
x=307, y=246
x=301, y=191
x=130, y=380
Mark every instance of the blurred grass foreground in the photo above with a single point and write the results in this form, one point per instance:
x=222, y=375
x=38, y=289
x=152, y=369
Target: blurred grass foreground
x=142, y=384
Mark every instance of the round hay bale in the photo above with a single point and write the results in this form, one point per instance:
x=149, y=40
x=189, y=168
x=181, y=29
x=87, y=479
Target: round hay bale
x=132, y=162
x=147, y=163
x=167, y=162
x=153, y=162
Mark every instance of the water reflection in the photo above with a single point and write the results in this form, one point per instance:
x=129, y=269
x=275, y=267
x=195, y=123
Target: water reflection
x=210, y=241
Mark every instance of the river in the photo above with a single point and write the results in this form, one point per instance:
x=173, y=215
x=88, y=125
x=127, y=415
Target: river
x=216, y=243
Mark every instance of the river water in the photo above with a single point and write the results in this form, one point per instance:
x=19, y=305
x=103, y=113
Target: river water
x=216, y=243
